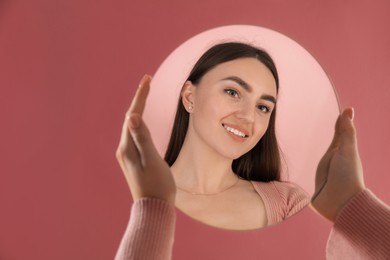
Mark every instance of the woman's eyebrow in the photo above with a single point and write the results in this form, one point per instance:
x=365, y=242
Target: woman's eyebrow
x=240, y=82
x=269, y=98
x=248, y=88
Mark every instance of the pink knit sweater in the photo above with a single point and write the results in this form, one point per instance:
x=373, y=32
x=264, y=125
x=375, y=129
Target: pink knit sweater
x=362, y=230
x=149, y=234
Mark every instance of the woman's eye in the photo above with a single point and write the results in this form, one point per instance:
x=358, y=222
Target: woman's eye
x=232, y=92
x=263, y=108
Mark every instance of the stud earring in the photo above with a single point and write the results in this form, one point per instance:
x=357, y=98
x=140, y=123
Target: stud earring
x=190, y=106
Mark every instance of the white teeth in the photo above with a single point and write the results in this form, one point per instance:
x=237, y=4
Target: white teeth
x=234, y=131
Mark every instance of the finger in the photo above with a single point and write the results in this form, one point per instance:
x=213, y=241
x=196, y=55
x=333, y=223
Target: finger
x=127, y=151
x=346, y=127
x=139, y=100
x=142, y=140
x=344, y=124
x=128, y=159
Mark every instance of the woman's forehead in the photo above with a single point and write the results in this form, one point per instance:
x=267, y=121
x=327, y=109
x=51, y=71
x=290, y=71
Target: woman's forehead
x=250, y=71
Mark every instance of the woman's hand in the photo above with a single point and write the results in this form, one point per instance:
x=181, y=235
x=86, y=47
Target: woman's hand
x=147, y=174
x=339, y=173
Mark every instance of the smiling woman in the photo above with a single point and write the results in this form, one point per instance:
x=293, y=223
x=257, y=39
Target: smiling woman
x=228, y=167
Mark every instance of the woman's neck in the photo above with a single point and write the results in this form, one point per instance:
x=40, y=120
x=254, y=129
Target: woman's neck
x=200, y=169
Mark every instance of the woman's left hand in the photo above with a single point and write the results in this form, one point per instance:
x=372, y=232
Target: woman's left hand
x=340, y=172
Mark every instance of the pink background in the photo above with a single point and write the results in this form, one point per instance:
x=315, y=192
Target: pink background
x=68, y=70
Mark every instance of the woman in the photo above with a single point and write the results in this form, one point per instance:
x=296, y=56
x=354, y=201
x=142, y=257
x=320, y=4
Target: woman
x=223, y=133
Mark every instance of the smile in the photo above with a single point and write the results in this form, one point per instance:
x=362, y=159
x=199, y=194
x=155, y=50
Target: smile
x=234, y=131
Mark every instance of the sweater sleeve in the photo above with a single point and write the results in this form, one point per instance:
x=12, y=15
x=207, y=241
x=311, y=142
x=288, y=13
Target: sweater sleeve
x=150, y=232
x=361, y=230
x=282, y=199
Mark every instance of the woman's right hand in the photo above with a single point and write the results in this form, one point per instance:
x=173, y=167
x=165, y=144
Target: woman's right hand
x=147, y=174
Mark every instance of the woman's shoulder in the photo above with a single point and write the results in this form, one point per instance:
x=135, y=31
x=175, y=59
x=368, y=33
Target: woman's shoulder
x=282, y=199
x=282, y=188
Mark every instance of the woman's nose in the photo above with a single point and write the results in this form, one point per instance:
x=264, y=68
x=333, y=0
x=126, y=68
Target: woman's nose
x=246, y=112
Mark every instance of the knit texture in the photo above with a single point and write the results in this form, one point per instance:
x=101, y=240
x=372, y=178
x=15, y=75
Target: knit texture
x=150, y=232
x=361, y=230
x=281, y=199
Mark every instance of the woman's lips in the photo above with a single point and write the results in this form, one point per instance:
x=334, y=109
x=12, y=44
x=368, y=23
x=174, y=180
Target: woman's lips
x=236, y=131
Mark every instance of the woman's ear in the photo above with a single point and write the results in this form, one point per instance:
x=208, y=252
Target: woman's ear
x=187, y=96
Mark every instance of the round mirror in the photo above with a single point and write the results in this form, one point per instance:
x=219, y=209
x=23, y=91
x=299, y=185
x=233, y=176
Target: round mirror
x=307, y=106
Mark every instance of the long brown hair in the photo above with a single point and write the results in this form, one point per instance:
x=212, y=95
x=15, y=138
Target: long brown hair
x=262, y=163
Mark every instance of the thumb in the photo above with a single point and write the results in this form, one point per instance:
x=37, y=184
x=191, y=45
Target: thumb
x=344, y=136
x=344, y=128
x=142, y=139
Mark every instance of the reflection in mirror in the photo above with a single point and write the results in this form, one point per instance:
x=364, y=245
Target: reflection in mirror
x=222, y=149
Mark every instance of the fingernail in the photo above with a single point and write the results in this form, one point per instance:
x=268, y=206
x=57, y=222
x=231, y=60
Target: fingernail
x=145, y=77
x=141, y=81
x=351, y=114
x=134, y=122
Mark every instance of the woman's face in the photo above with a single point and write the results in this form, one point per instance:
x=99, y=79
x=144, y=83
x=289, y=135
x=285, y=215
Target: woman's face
x=232, y=105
